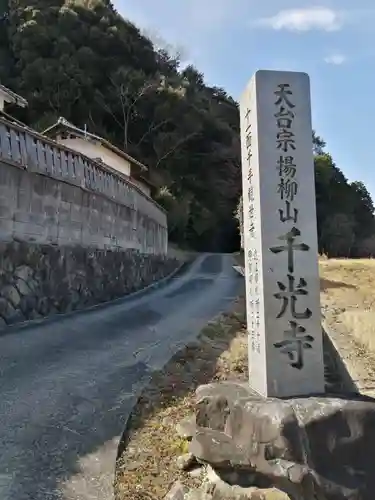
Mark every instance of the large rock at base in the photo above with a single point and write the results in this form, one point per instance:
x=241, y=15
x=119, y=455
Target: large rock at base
x=317, y=448
x=234, y=493
x=214, y=488
x=186, y=428
x=177, y=492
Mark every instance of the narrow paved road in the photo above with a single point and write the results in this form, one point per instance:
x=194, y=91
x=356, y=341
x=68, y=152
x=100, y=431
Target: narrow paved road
x=68, y=384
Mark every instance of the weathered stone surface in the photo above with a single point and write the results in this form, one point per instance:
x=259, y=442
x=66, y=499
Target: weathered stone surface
x=177, y=492
x=194, y=495
x=25, y=273
x=232, y=476
x=52, y=210
x=43, y=306
x=196, y=472
x=186, y=428
x=16, y=317
x=7, y=264
x=222, y=491
x=22, y=287
x=28, y=304
x=186, y=461
x=34, y=315
x=11, y=294
x=273, y=368
x=318, y=447
x=6, y=308
x=214, y=488
x=46, y=279
x=237, y=390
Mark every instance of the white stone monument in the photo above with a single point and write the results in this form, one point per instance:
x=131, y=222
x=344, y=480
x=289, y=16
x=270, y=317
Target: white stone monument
x=280, y=236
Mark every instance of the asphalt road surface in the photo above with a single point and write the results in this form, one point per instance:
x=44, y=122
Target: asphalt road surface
x=68, y=384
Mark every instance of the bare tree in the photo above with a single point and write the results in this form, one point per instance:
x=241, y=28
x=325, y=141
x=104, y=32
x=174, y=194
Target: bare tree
x=177, y=52
x=129, y=94
x=128, y=100
x=152, y=128
x=61, y=98
x=173, y=148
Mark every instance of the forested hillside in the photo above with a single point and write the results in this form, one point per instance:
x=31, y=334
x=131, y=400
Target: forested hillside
x=80, y=59
x=345, y=211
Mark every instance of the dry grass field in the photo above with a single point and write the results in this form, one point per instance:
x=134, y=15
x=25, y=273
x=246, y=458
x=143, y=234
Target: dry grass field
x=348, y=294
x=348, y=304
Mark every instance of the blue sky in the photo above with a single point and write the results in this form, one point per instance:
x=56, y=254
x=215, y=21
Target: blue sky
x=334, y=42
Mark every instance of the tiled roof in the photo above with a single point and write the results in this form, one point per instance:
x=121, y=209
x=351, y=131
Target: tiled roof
x=13, y=97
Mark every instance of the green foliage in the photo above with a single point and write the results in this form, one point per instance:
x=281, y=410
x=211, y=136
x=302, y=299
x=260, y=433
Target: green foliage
x=80, y=59
x=345, y=211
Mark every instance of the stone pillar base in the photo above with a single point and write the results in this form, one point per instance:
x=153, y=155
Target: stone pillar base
x=310, y=448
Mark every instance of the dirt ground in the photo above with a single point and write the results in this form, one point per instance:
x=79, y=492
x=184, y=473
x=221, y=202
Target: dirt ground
x=348, y=304
x=220, y=354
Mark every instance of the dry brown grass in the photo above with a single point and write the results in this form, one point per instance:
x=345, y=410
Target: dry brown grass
x=348, y=293
x=147, y=467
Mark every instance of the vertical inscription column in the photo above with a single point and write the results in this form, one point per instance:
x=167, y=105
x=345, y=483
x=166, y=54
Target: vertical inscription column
x=251, y=228
x=280, y=237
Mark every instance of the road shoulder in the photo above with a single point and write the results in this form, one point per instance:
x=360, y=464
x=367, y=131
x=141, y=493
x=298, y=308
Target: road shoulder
x=219, y=353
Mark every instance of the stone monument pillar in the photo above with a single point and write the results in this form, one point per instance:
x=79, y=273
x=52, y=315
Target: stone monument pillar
x=280, y=236
x=257, y=435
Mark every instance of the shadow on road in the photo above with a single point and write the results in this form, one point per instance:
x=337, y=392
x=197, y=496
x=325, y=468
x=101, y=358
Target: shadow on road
x=68, y=384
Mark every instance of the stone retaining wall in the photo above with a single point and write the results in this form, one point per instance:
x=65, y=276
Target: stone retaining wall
x=51, y=194
x=38, y=208
x=39, y=280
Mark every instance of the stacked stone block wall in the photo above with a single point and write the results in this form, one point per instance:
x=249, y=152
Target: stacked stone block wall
x=40, y=280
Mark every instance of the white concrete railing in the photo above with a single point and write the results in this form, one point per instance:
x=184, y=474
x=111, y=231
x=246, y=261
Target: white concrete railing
x=36, y=153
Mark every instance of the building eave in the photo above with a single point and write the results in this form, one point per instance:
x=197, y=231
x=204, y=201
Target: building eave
x=13, y=97
x=63, y=124
x=20, y=127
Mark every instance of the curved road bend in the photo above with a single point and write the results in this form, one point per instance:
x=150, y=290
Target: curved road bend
x=68, y=384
